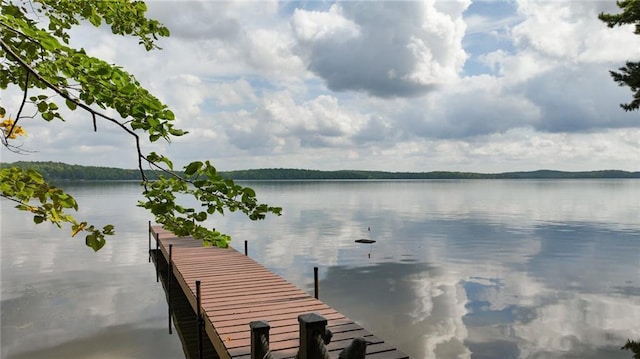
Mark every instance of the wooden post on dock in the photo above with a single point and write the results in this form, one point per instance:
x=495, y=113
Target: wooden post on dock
x=169, y=276
x=157, y=251
x=315, y=282
x=149, y=241
x=199, y=320
x=259, y=339
x=311, y=324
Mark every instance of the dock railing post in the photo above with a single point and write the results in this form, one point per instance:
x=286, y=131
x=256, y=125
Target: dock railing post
x=157, y=264
x=315, y=282
x=311, y=325
x=169, y=276
x=199, y=320
x=149, y=241
x=259, y=339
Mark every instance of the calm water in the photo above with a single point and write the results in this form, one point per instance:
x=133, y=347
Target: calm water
x=460, y=269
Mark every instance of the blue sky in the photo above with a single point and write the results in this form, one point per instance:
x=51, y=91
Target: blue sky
x=485, y=86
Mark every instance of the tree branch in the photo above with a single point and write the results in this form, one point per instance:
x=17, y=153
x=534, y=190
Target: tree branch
x=66, y=95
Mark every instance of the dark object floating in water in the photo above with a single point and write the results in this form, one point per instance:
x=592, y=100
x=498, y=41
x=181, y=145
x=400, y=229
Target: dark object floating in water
x=365, y=241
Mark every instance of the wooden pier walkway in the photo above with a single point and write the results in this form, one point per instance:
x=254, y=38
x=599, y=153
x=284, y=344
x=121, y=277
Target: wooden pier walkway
x=236, y=290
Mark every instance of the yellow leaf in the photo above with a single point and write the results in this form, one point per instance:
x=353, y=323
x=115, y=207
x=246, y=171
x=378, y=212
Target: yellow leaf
x=79, y=228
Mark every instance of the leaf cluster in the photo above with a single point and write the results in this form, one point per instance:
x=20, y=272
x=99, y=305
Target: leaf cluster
x=26, y=187
x=215, y=194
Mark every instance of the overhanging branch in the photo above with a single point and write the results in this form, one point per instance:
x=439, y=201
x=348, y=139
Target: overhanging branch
x=66, y=96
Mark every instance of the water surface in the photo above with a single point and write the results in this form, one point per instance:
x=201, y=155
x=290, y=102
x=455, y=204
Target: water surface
x=460, y=269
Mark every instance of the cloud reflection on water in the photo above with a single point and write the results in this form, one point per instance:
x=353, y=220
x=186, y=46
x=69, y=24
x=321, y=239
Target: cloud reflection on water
x=475, y=269
x=62, y=300
x=461, y=269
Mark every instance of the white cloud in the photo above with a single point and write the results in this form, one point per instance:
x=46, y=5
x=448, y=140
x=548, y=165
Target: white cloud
x=310, y=26
x=385, y=49
x=571, y=30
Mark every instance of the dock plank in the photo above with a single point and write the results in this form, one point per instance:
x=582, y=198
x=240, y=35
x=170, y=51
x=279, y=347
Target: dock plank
x=236, y=290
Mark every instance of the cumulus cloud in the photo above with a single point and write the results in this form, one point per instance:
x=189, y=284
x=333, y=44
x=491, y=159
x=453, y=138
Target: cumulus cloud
x=385, y=49
x=570, y=30
x=288, y=124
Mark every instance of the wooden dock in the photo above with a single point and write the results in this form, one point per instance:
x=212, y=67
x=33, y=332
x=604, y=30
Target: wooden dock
x=236, y=290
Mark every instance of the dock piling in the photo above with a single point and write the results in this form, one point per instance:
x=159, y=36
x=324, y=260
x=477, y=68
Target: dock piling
x=169, y=277
x=149, y=241
x=259, y=339
x=157, y=250
x=315, y=282
x=199, y=320
x=311, y=325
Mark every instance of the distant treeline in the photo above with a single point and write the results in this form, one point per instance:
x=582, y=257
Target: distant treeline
x=63, y=171
x=53, y=171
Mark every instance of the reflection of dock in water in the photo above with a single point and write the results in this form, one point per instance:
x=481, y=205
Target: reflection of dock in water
x=183, y=316
x=236, y=290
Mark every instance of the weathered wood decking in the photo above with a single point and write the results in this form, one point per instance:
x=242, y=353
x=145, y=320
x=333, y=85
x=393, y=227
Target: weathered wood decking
x=236, y=290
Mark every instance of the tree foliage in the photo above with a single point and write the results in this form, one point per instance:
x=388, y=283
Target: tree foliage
x=628, y=75
x=38, y=61
x=634, y=347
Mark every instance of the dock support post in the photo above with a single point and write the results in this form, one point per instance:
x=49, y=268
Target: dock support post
x=315, y=282
x=149, y=241
x=157, y=266
x=200, y=320
x=169, y=276
x=311, y=324
x=246, y=248
x=259, y=330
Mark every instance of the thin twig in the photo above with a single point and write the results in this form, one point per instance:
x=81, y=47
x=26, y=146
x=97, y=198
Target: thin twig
x=24, y=100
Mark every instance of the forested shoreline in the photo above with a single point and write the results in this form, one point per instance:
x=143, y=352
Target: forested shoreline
x=67, y=172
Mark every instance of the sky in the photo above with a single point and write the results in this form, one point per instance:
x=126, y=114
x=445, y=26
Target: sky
x=483, y=86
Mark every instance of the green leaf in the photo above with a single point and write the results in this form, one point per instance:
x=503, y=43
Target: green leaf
x=192, y=168
x=70, y=104
x=177, y=132
x=42, y=106
x=128, y=89
x=249, y=191
x=169, y=115
x=49, y=43
x=95, y=20
x=200, y=216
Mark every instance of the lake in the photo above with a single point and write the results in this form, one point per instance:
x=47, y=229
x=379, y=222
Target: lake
x=460, y=269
